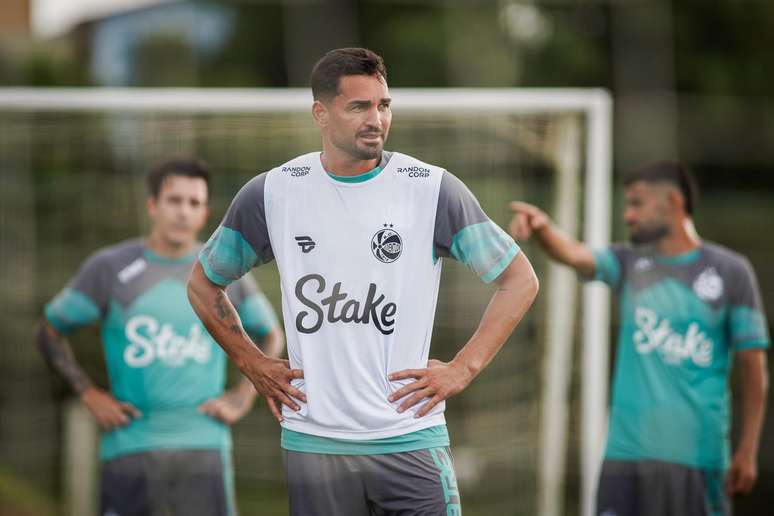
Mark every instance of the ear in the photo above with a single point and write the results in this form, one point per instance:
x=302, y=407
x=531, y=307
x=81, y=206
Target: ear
x=150, y=204
x=676, y=201
x=320, y=113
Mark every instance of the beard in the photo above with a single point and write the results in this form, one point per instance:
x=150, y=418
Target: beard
x=649, y=234
x=365, y=152
x=359, y=151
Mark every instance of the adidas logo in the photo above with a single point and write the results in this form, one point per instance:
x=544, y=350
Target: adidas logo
x=305, y=243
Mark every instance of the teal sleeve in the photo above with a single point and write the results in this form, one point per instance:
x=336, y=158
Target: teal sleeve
x=748, y=327
x=747, y=323
x=257, y=315
x=484, y=248
x=70, y=310
x=607, y=267
x=227, y=256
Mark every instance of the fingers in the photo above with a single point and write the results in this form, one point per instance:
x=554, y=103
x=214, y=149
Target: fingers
x=407, y=373
x=272, y=404
x=435, y=400
x=739, y=482
x=295, y=393
x=413, y=400
x=295, y=374
x=111, y=418
x=743, y=484
x=406, y=389
x=286, y=400
x=523, y=226
x=275, y=382
x=128, y=408
x=525, y=208
x=732, y=481
x=213, y=408
x=519, y=227
x=521, y=207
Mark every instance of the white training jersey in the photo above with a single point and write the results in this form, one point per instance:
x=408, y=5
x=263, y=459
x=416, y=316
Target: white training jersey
x=359, y=264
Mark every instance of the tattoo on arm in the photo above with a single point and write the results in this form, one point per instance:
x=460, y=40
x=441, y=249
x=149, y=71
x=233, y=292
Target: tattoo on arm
x=59, y=356
x=226, y=313
x=221, y=305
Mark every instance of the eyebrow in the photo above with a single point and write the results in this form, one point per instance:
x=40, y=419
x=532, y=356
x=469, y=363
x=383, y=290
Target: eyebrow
x=361, y=103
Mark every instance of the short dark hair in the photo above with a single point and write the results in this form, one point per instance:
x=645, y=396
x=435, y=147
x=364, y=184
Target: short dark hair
x=188, y=167
x=341, y=62
x=672, y=172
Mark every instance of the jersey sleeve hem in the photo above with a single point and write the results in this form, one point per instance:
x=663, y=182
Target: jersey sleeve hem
x=212, y=275
x=606, y=267
x=70, y=310
x=501, y=265
x=752, y=344
x=57, y=323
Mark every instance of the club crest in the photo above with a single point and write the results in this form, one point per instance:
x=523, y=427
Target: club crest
x=386, y=244
x=709, y=285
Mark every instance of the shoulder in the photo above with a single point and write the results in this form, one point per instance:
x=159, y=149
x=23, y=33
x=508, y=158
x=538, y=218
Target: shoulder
x=414, y=170
x=626, y=255
x=297, y=168
x=724, y=257
x=726, y=260
x=254, y=187
x=117, y=256
x=108, y=264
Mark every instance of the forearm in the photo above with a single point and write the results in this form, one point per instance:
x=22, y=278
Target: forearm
x=755, y=385
x=566, y=249
x=58, y=354
x=517, y=288
x=221, y=319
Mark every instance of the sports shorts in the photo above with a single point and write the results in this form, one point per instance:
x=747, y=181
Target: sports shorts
x=655, y=488
x=168, y=482
x=415, y=483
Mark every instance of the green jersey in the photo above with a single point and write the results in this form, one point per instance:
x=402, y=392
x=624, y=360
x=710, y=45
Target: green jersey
x=682, y=319
x=159, y=356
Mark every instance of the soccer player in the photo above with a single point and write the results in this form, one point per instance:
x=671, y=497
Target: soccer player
x=358, y=234
x=687, y=308
x=166, y=444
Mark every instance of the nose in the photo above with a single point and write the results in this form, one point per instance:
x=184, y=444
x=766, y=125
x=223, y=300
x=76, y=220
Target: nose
x=629, y=217
x=185, y=210
x=374, y=118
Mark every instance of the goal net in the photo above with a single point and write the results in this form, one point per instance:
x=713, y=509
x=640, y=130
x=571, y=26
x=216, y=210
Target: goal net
x=526, y=435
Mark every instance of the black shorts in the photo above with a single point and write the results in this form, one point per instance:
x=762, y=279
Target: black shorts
x=169, y=483
x=654, y=488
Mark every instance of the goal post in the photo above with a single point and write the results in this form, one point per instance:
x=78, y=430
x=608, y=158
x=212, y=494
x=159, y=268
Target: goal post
x=565, y=131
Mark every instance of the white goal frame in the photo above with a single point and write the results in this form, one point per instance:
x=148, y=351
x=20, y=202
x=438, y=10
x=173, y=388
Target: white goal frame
x=596, y=157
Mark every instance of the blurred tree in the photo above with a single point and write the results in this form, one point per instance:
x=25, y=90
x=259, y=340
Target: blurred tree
x=164, y=59
x=254, y=54
x=411, y=39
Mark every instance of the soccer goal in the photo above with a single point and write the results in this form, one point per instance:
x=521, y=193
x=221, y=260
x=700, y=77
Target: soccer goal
x=72, y=174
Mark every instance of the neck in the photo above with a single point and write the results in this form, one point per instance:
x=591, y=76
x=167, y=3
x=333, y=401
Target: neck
x=341, y=164
x=683, y=239
x=167, y=249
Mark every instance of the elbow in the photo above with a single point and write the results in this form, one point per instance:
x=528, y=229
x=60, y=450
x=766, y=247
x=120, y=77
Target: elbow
x=534, y=286
x=530, y=282
x=41, y=330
